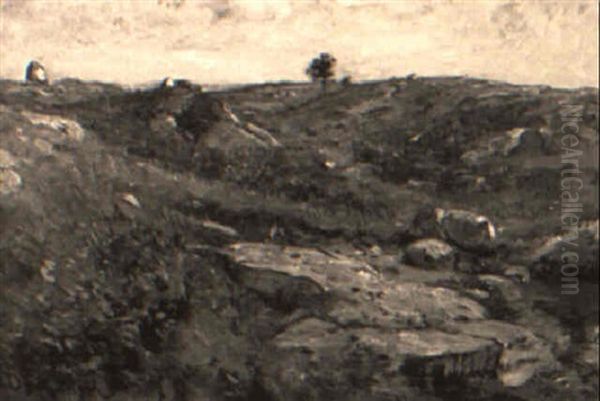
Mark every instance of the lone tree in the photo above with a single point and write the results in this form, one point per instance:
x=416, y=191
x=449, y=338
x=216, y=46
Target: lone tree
x=322, y=69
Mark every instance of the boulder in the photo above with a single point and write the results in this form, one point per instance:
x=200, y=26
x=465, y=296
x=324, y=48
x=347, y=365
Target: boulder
x=430, y=252
x=525, y=141
x=466, y=229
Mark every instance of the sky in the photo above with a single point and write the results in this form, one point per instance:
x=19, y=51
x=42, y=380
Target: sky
x=242, y=41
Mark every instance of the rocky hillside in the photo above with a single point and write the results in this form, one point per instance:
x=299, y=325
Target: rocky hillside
x=396, y=240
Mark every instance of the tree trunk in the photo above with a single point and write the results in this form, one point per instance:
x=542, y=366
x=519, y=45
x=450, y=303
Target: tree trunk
x=323, y=85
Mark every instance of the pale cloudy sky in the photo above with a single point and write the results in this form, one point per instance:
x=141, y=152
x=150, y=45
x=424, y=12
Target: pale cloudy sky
x=238, y=41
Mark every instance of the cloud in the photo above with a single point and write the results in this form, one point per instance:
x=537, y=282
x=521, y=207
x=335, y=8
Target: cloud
x=221, y=41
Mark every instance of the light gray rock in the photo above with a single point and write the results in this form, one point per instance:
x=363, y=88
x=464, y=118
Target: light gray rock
x=578, y=247
x=359, y=294
x=10, y=181
x=466, y=229
x=430, y=252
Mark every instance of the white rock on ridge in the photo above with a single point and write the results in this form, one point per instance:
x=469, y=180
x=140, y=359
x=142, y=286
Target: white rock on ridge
x=168, y=82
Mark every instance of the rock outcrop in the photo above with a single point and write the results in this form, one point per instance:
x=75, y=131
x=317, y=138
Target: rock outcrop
x=426, y=331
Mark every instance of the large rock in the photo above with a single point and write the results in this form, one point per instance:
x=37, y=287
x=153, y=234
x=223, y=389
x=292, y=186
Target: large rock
x=356, y=294
x=313, y=354
x=430, y=252
x=466, y=229
x=318, y=360
x=523, y=353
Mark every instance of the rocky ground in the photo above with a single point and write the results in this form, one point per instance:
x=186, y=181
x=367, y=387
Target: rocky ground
x=396, y=240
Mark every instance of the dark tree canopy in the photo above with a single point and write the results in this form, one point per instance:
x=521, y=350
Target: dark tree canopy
x=322, y=68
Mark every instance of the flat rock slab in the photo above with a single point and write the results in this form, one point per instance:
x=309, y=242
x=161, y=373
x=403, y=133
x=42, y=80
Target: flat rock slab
x=330, y=271
x=314, y=354
x=361, y=295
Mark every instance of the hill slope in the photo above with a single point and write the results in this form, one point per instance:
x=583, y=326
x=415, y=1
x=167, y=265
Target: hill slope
x=388, y=239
